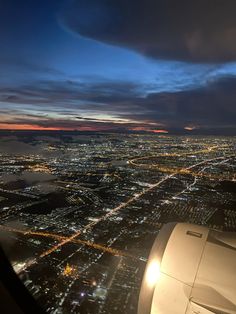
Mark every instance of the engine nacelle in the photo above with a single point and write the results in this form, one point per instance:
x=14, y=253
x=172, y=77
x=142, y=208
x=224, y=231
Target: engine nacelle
x=191, y=270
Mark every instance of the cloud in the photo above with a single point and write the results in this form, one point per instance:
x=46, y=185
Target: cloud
x=8, y=240
x=25, y=66
x=10, y=145
x=66, y=93
x=122, y=106
x=33, y=177
x=189, y=30
x=28, y=176
x=211, y=106
x=46, y=188
x=14, y=147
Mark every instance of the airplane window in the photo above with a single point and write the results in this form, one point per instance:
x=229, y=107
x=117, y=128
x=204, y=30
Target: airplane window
x=117, y=156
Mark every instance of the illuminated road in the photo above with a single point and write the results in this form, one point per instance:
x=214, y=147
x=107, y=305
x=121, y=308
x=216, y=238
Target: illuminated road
x=63, y=238
x=197, y=152
x=121, y=206
x=83, y=236
x=184, y=171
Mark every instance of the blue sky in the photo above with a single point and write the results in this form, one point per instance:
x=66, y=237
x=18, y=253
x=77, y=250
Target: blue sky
x=51, y=72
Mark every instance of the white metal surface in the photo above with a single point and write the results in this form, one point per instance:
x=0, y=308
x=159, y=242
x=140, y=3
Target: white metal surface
x=190, y=270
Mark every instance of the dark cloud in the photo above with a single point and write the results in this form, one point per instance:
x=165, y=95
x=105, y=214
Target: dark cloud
x=11, y=146
x=66, y=92
x=190, y=30
x=28, y=176
x=46, y=187
x=8, y=240
x=210, y=106
x=15, y=147
x=25, y=66
x=65, y=124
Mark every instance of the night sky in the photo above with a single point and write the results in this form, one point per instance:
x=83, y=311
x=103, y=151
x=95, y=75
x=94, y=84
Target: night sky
x=118, y=65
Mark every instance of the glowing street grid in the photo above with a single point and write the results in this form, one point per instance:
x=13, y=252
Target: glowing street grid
x=79, y=215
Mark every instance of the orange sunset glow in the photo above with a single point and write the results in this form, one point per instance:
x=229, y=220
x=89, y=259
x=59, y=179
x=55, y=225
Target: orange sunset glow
x=6, y=126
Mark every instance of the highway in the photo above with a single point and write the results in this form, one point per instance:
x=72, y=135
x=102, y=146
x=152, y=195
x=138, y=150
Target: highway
x=63, y=238
x=121, y=206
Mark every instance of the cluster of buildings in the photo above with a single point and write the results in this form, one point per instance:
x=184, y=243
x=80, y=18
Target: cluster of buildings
x=81, y=215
